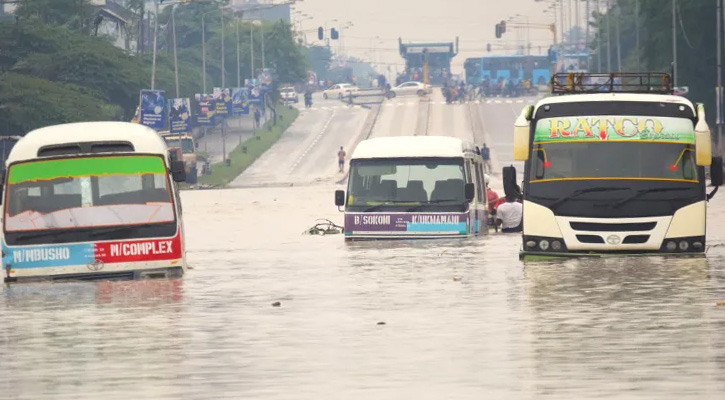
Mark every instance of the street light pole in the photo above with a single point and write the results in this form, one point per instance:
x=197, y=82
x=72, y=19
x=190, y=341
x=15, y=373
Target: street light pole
x=239, y=67
x=251, y=49
x=153, y=62
x=609, y=36
x=674, y=43
x=718, y=89
x=619, y=53
x=224, y=72
x=261, y=33
x=176, y=60
x=599, y=37
x=203, y=54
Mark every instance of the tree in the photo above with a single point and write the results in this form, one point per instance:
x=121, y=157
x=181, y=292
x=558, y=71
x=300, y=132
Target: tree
x=27, y=103
x=75, y=14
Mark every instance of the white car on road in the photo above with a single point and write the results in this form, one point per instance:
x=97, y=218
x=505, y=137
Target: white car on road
x=289, y=94
x=339, y=90
x=409, y=89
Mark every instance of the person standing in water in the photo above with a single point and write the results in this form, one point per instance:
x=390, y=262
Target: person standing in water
x=341, y=159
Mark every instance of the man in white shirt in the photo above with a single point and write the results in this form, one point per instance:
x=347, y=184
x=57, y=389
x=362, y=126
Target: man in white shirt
x=509, y=215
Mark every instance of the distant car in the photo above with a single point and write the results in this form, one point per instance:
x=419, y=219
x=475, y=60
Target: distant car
x=339, y=90
x=289, y=94
x=409, y=89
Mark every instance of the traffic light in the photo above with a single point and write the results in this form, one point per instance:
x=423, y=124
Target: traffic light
x=320, y=33
x=488, y=47
x=498, y=31
x=334, y=34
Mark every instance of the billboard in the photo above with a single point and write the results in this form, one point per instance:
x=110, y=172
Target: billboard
x=204, y=109
x=240, y=101
x=152, y=110
x=179, y=115
x=223, y=101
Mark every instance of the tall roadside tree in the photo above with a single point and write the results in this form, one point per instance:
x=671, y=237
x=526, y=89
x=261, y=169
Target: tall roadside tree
x=74, y=14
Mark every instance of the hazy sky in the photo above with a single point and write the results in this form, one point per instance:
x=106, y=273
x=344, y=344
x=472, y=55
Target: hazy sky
x=473, y=21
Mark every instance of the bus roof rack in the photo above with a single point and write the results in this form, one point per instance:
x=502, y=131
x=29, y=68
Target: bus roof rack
x=618, y=82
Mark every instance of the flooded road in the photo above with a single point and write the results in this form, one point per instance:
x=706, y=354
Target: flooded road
x=464, y=319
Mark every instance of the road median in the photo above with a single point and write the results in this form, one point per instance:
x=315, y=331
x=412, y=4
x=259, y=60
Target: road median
x=239, y=159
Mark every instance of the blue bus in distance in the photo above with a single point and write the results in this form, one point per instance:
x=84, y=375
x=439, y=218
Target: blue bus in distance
x=537, y=69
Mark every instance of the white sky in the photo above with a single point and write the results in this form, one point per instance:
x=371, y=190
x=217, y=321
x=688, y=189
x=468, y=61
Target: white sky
x=473, y=21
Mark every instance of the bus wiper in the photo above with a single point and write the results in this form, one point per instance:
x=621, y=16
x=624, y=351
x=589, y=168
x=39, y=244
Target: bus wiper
x=379, y=206
x=432, y=202
x=642, y=192
x=34, y=235
x=579, y=192
x=99, y=232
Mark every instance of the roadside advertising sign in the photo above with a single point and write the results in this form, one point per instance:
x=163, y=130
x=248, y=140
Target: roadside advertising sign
x=204, y=109
x=179, y=115
x=223, y=101
x=240, y=101
x=152, y=110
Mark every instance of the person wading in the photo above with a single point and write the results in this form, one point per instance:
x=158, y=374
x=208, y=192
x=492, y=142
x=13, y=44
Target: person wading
x=509, y=215
x=341, y=159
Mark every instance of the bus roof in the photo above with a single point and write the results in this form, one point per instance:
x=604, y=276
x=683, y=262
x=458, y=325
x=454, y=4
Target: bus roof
x=412, y=146
x=590, y=97
x=143, y=139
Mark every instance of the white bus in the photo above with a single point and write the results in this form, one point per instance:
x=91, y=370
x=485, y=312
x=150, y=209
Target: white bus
x=92, y=200
x=613, y=173
x=414, y=187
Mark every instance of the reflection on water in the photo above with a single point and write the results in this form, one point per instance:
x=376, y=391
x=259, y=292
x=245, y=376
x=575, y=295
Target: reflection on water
x=464, y=319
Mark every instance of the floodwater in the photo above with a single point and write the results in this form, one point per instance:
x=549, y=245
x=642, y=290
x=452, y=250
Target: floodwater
x=464, y=319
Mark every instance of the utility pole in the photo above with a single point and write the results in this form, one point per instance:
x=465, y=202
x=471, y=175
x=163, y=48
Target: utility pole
x=718, y=89
x=609, y=36
x=251, y=49
x=261, y=33
x=636, y=33
x=203, y=54
x=239, y=65
x=224, y=72
x=153, y=62
x=586, y=33
x=619, y=52
x=599, y=38
x=674, y=43
x=176, y=60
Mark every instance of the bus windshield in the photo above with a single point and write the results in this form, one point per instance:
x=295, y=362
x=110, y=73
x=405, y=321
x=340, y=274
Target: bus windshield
x=87, y=192
x=173, y=143
x=405, y=182
x=614, y=147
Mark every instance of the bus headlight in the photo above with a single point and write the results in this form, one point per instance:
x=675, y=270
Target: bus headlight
x=697, y=245
x=556, y=245
x=684, y=245
x=544, y=245
x=671, y=246
x=531, y=244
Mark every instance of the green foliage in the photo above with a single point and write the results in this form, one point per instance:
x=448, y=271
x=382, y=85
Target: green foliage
x=695, y=43
x=221, y=175
x=28, y=103
x=74, y=14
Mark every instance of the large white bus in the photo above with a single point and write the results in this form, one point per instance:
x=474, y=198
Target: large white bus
x=94, y=200
x=613, y=173
x=414, y=187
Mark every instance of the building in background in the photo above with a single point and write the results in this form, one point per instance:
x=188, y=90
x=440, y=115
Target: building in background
x=262, y=10
x=114, y=21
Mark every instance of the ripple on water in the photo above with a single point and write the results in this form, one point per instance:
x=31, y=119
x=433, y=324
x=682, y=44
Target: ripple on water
x=464, y=319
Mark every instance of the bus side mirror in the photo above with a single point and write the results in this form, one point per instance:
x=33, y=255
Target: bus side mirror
x=470, y=190
x=178, y=171
x=716, y=171
x=510, y=188
x=521, y=134
x=339, y=198
x=703, y=141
